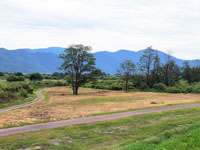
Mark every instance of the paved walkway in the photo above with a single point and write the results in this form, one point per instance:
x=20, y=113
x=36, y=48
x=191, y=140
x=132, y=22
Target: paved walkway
x=56, y=124
x=39, y=97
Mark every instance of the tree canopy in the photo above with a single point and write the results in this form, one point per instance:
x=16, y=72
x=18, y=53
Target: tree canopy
x=78, y=64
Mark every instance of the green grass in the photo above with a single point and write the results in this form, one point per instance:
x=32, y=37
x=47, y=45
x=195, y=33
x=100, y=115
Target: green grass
x=170, y=130
x=46, y=96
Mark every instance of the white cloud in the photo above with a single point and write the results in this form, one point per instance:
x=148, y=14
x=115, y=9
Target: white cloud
x=104, y=25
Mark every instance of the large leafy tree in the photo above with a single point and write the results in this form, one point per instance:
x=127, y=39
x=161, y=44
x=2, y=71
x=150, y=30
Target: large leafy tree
x=79, y=65
x=126, y=71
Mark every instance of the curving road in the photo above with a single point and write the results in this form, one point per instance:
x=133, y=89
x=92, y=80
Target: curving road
x=39, y=97
x=63, y=123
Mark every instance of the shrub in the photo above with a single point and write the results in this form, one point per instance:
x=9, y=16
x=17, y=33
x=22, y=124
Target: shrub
x=160, y=87
x=11, y=88
x=20, y=78
x=59, y=83
x=7, y=96
x=23, y=93
x=13, y=78
x=175, y=89
x=1, y=74
x=35, y=77
x=105, y=84
x=28, y=88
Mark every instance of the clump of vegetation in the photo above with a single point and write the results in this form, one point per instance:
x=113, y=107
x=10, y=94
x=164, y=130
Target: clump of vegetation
x=6, y=96
x=184, y=87
x=160, y=87
x=105, y=84
x=13, y=78
x=13, y=92
x=49, y=83
x=35, y=77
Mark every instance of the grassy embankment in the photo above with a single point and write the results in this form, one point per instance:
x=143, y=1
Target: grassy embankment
x=171, y=130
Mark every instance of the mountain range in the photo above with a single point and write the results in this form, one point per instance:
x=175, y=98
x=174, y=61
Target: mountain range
x=46, y=60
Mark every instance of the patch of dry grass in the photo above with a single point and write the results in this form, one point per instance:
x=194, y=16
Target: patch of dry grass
x=62, y=104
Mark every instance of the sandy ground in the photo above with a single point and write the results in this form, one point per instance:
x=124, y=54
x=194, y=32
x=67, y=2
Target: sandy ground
x=63, y=105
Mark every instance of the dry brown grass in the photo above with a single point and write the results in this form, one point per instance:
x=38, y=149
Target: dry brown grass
x=63, y=105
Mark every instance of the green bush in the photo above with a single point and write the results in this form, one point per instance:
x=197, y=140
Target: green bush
x=160, y=87
x=35, y=77
x=11, y=91
x=23, y=93
x=20, y=78
x=48, y=83
x=28, y=88
x=60, y=83
x=105, y=84
x=13, y=78
x=184, y=87
x=7, y=96
x=1, y=74
x=174, y=90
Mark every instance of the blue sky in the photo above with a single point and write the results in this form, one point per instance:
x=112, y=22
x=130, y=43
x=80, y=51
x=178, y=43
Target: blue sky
x=172, y=25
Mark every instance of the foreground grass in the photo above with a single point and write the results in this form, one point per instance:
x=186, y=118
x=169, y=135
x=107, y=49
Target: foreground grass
x=177, y=129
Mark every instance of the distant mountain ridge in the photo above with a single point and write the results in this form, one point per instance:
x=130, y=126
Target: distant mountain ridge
x=45, y=60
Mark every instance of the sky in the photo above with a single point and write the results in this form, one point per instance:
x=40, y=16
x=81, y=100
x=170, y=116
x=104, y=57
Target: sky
x=170, y=25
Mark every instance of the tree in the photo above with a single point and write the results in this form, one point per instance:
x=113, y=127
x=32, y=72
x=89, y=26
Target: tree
x=187, y=72
x=1, y=74
x=35, y=77
x=18, y=74
x=156, y=73
x=78, y=65
x=171, y=73
x=126, y=71
x=196, y=74
x=146, y=63
x=166, y=68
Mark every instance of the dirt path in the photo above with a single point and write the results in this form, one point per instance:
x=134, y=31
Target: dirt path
x=39, y=97
x=56, y=124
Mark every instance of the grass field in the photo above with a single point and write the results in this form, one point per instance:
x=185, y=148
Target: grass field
x=61, y=104
x=171, y=130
